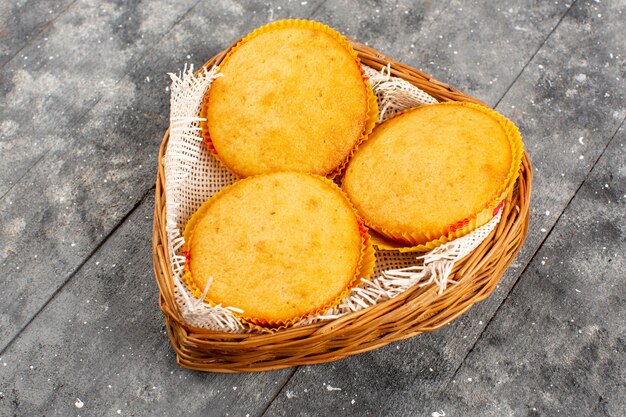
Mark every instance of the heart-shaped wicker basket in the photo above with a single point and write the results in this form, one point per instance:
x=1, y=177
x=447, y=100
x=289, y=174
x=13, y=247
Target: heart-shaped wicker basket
x=418, y=310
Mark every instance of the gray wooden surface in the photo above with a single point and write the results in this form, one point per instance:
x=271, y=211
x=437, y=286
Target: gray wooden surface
x=84, y=105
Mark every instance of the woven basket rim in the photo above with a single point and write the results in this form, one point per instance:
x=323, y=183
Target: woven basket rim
x=415, y=311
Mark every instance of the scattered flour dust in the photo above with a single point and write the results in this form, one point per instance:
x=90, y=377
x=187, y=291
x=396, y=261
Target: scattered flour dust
x=329, y=388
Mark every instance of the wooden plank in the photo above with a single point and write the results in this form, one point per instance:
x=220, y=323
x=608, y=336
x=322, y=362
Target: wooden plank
x=579, y=63
x=91, y=358
x=102, y=341
x=124, y=193
x=464, y=46
x=21, y=22
x=482, y=49
x=82, y=187
x=80, y=57
x=566, y=356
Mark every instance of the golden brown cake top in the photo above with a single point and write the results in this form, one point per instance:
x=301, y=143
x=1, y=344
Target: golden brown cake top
x=278, y=246
x=292, y=96
x=429, y=170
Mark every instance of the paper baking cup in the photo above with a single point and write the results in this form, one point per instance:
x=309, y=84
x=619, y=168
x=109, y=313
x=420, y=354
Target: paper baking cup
x=387, y=239
x=364, y=267
x=372, y=103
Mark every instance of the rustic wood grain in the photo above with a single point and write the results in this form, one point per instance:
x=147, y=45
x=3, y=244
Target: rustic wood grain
x=101, y=340
x=566, y=355
x=64, y=71
x=60, y=233
x=480, y=49
x=71, y=199
x=547, y=103
x=21, y=22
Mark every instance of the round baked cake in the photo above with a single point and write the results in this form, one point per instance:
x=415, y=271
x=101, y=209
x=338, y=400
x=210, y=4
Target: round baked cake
x=434, y=173
x=278, y=246
x=291, y=97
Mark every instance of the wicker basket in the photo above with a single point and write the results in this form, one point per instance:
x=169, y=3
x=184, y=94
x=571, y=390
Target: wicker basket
x=418, y=310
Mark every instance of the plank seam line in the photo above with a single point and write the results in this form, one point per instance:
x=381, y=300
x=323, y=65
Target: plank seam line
x=25, y=173
x=439, y=15
x=319, y=6
x=269, y=404
x=78, y=268
x=582, y=183
x=534, y=253
x=536, y=52
x=36, y=36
